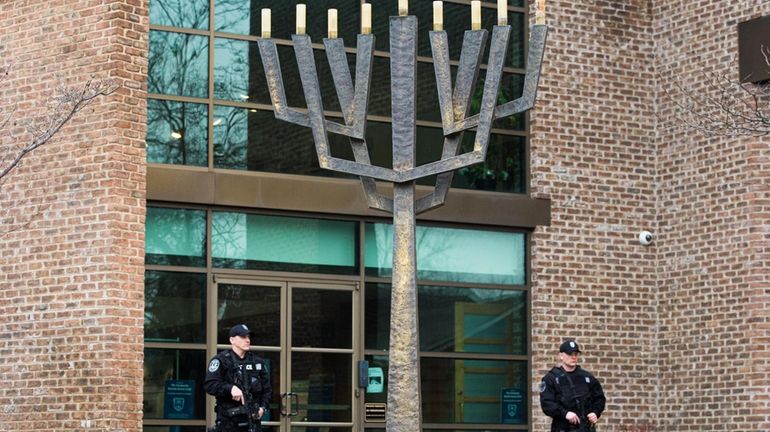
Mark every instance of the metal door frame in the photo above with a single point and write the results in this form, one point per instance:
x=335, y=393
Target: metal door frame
x=287, y=286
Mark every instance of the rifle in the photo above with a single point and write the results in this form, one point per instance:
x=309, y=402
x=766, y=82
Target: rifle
x=249, y=408
x=585, y=424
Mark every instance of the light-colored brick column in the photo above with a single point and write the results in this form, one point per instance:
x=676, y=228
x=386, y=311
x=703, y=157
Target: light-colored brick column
x=593, y=155
x=71, y=270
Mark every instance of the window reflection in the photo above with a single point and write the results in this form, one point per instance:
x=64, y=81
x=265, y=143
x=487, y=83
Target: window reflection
x=321, y=318
x=503, y=169
x=167, y=293
x=180, y=13
x=238, y=72
x=242, y=240
x=465, y=390
x=164, y=368
x=177, y=132
x=175, y=237
x=178, y=64
x=454, y=319
x=473, y=391
x=257, y=306
x=452, y=254
x=236, y=16
x=325, y=380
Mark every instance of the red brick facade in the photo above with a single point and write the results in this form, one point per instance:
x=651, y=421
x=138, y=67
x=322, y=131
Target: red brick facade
x=677, y=331
x=71, y=275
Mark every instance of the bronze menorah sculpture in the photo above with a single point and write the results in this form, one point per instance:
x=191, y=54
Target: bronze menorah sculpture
x=404, y=402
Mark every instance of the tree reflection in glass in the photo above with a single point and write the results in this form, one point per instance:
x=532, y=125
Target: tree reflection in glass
x=180, y=13
x=178, y=64
x=177, y=133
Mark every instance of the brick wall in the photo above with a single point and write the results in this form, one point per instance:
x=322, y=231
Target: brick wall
x=677, y=331
x=713, y=224
x=71, y=268
x=593, y=143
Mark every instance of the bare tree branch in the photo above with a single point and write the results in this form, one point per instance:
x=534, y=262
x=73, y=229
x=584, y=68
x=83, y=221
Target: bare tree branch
x=728, y=107
x=67, y=102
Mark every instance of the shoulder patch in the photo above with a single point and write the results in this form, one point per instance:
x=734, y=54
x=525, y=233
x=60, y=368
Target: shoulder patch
x=214, y=365
x=542, y=386
x=588, y=380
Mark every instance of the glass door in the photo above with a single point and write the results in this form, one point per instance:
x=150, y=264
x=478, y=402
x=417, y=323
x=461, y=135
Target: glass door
x=321, y=364
x=308, y=335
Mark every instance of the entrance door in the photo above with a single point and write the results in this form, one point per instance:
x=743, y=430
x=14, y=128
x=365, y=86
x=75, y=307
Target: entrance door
x=308, y=334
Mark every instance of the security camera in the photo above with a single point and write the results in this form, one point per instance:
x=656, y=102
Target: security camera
x=646, y=238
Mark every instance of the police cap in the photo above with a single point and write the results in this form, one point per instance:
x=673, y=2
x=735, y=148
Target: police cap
x=569, y=347
x=239, y=330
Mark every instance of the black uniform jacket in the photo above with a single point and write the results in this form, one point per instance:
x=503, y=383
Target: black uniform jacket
x=577, y=391
x=250, y=374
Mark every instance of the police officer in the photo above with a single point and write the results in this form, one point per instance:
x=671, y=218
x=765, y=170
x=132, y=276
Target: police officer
x=571, y=396
x=240, y=382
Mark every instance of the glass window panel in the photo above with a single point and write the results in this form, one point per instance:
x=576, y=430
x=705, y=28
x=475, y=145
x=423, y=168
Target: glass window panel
x=323, y=383
x=237, y=16
x=164, y=366
x=454, y=319
x=231, y=136
x=241, y=240
x=379, y=93
x=180, y=13
x=254, y=140
x=167, y=293
x=465, y=391
x=427, y=97
x=473, y=391
x=175, y=237
x=517, y=55
x=452, y=254
x=240, y=76
x=177, y=133
x=178, y=64
x=503, y=170
x=321, y=318
x=273, y=364
x=259, y=307
x=511, y=87
x=238, y=72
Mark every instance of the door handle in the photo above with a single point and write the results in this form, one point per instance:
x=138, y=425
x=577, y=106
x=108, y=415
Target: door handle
x=283, y=405
x=293, y=402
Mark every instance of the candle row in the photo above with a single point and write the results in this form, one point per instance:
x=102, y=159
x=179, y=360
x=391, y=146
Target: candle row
x=403, y=10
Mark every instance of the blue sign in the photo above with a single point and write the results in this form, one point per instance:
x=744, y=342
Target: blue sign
x=376, y=380
x=179, y=399
x=512, y=406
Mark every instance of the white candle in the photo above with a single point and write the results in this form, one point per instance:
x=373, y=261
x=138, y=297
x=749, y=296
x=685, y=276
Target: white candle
x=502, y=12
x=266, y=23
x=438, y=16
x=332, y=23
x=403, y=7
x=476, y=15
x=366, y=18
x=540, y=13
x=301, y=19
